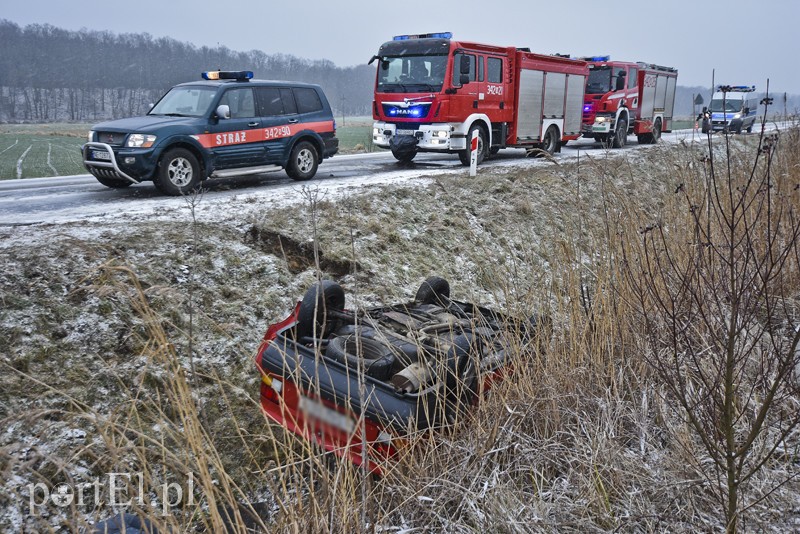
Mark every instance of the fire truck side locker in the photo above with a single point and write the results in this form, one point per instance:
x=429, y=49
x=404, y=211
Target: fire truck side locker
x=656, y=102
x=547, y=99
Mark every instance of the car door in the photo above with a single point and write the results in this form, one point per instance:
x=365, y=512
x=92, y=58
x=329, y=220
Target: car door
x=279, y=121
x=237, y=141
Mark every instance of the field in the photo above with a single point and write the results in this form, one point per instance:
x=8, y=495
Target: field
x=129, y=343
x=42, y=150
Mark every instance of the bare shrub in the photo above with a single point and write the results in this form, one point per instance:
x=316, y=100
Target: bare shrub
x=715, y=280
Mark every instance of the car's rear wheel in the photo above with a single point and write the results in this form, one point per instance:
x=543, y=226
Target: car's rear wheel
x=434, y=290
x=178, y=172
x=320, y=299
x=303, y=161
x=460, y=374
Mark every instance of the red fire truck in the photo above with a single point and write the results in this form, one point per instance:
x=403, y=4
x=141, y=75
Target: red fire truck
x=624, y=97
x=432, y=93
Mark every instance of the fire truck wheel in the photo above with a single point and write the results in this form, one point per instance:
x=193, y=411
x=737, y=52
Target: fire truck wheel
x=113, y=183
x=550, y=141
x=303, y=162
x=621, y=135
x=178, y=172
x=354, y=351
x=463, y=155
x=657, y=131
x=317, y=302
x=433, y=290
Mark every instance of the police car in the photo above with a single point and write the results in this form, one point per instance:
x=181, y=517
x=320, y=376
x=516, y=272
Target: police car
x=227, y=124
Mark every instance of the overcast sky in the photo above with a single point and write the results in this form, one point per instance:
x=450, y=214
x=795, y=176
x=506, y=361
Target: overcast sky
x=745, y=42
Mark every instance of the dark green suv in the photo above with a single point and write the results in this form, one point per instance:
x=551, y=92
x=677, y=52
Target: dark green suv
x=224, y=125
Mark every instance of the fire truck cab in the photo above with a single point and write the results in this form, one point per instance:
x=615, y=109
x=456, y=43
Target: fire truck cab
x=624, y=97
x=432, y=93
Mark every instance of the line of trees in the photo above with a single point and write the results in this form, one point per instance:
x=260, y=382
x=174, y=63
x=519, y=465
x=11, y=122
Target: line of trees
x=48, y=74
x=86, y=76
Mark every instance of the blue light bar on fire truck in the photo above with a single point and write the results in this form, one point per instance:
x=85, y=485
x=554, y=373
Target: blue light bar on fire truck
x=441, y=35
x=228, y=75
x=596, y=59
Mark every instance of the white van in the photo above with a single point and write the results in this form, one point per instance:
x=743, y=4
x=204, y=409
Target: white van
x=734, y=108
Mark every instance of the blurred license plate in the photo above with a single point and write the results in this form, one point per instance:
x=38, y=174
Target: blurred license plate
x=101, y=154
x=317, y=411
x=405, y=132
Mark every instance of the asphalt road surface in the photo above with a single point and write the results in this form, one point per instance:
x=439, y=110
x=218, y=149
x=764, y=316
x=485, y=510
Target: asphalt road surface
x=50, y=200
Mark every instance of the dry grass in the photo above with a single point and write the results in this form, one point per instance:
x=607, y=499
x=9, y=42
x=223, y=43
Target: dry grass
x=582, y=437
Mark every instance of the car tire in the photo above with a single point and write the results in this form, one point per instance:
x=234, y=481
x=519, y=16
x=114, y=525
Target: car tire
x=113, y=183
x=178, y=172
x=319, y=300
x=621, y=133
x=356, y=352
x=434, y=290
x=464, y=155
x=303, y=161
x=461, y=377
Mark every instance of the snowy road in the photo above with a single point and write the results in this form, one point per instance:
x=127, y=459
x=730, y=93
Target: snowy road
x=70, y=198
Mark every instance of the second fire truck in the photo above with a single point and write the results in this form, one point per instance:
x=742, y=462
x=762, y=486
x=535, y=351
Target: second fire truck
x=432, y=93
x=624, y=97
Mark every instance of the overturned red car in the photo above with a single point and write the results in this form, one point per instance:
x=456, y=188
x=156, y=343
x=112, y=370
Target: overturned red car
x=356, y=381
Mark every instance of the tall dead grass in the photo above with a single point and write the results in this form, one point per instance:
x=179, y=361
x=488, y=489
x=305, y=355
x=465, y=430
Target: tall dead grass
x=582, y=436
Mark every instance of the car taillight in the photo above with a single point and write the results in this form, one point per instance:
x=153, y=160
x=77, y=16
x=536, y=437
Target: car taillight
x=271, y=388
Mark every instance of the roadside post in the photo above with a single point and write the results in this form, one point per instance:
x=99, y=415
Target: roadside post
x=473, y=155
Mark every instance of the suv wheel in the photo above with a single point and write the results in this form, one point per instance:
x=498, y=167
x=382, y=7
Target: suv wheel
x=178, y=172
x=303, y=162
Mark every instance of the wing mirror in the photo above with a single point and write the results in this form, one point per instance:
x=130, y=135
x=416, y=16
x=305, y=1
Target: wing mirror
x=223, y=111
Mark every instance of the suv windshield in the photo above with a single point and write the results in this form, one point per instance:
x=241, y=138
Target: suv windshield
x=730, y=105
x=599, y=80
x=408, y=74
x=185, y=101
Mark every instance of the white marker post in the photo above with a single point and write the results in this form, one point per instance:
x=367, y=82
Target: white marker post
x=473, y=155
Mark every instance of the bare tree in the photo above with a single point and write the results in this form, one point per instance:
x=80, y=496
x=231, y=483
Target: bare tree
x=717, y=285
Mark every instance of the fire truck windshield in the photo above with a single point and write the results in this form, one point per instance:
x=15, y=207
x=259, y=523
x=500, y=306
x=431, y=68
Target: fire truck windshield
x=410, y=74
x=599, y=80
x=188, y=101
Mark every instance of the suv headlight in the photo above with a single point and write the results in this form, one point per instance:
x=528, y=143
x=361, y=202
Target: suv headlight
x=140, y=140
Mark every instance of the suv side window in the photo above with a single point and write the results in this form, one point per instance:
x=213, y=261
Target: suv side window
x=275, y=101
x=241, y=102
x=307, y=100
x=289, y=106
x=270, y=100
